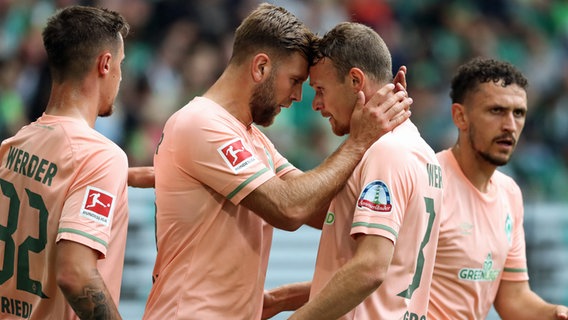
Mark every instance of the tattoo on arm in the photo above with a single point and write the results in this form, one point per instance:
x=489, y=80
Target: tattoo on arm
x=94, y=302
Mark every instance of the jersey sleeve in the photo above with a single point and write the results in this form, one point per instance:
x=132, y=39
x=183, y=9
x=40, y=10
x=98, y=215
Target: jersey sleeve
x=98, y=188
x=279, y=163
x=221, y=157
x=380, y=207
x=515, y=268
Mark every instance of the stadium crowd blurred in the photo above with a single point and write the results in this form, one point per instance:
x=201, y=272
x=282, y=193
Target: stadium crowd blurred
x=178, y=47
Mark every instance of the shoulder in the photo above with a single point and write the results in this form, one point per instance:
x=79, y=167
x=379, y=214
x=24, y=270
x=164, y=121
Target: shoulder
x=402, y=146
x=200, y=116
x=90, y=148
x=505, y=182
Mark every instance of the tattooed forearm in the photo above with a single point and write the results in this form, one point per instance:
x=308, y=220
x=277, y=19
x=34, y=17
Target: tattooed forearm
x=94, y=302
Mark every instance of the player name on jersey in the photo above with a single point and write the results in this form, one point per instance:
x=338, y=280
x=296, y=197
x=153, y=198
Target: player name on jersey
x=434, y=175
x=31, y=165
x=16, y=307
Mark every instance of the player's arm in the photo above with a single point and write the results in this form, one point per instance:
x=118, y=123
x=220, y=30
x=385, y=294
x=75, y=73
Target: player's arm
x=141, y=177
x=289, y=203
x=317, y=218
x=354, y=282
x=79, y=280
x=515, y=300
x=288, y=297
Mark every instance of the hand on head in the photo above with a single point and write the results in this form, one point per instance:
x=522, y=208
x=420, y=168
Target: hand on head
x=400, y=79
x=384, y=111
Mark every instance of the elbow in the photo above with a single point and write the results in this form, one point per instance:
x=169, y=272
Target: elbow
x=294, y=218
x=285, y=220
x=375, y=280
x=373, y=274
x=289, y=224
x=69, y=279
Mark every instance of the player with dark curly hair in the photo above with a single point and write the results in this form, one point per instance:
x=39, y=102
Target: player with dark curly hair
x=480, y=260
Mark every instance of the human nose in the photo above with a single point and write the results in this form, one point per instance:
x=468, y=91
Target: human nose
x=509, y=123
x=297, y=94
x=317, y=103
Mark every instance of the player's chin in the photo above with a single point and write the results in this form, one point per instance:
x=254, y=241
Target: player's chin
x=107, y=112
x=338, y=129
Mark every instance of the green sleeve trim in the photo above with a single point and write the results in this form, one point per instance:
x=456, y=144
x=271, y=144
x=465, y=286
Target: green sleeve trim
x=375, y=226
x=84, y=234
x=286, y=165
x=270, y=161
x=519, y=270
x=247, y=181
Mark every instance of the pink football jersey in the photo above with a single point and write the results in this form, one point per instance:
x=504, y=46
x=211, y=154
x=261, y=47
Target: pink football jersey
x=212, y=251
x=396, y=193
x=59, y=179
x=481, y=242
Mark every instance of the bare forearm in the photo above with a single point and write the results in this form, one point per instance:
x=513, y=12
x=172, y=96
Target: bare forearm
x=346, y=289
x=314, y=189
x=141, y=177
x=287, y=297
x=515, y=300
x=91, y=300
x=527, y=306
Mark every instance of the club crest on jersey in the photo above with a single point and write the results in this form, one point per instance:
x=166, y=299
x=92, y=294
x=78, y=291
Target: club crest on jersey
x=236, y=155
x=375, y=197
x=98, y=205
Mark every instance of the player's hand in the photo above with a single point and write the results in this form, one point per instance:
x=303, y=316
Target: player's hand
x=561, y=312
x=400, y=79
x=141, y=177
x=269, y=307
x=384, y=111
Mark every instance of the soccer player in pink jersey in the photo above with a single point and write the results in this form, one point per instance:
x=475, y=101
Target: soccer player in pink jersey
x=481, y=259
x=378, y=243
x=63, y=185
x=221, y=185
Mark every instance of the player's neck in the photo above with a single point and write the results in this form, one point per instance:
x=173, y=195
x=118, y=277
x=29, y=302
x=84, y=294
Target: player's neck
x=478, y=172
x=70, y=101
x=233, y=94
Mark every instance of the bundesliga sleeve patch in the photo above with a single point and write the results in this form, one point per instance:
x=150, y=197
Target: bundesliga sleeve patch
x=236, y=155
x=375, y=197
x=98, y=205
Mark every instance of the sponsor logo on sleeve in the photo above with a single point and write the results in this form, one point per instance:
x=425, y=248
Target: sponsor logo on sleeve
x=98, y=205
x=236, y=155
x=375, y=197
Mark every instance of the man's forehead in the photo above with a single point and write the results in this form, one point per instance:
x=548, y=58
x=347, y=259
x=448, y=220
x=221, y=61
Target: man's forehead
x=319, y=71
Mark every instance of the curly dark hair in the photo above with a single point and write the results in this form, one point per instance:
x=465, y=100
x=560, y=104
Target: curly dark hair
x=482, y=70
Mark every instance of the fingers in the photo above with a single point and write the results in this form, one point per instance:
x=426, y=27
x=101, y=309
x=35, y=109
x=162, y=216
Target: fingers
x=403, y=114
x=397, y=103
x=384, y=111
x=395, y=109
x=400, y=79
x=360, y=100
x=379, y=96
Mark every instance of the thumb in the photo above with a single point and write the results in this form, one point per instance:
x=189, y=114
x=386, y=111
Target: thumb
x=360, y=102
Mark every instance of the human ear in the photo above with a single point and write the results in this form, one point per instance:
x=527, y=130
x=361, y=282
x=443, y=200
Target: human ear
x=459, y=116
x=104, y=63
x=260, y=67
x=357, y=79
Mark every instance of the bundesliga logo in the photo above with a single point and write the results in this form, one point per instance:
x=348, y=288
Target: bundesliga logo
x=235, y=155
x=97, y=205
